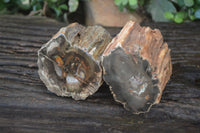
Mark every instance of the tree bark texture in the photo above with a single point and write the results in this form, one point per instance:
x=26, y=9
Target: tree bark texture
x=137, y=66
x=69, y=64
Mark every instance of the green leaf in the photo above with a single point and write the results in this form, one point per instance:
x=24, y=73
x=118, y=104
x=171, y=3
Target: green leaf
x=6, y=1
x=189, y=3
x=57, y=11
x=190, y=12
x=33, y=2
x=192, y=18
x=178, y=19
x=132, y=8
x=181, y=14
x=169, y=15
x=141, y=2
x=198, y=1
x=4, y=11
x=37, y=7
x=175, y=1
x=181, y=3
x=54, y=1
x=132, y=2
x=23, y=4
x=118, y=2
x=2, y=6
x=124, y=2
x=196, y=7
x=197, y=14
x=73, y=5
x=24, y=7
x=157, y=9
x=64, y=7
x=121, y=7
x=133, y=5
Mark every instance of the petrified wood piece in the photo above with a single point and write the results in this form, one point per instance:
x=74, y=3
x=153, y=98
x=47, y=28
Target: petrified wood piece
x=25, y=105
x=69, y=64
x=137, y=66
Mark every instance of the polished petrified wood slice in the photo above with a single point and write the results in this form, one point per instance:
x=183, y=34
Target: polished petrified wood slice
x=69, y=64
x=137, y=66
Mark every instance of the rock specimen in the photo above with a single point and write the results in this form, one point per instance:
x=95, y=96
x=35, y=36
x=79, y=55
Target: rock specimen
x=137, y=66
x=69, y=64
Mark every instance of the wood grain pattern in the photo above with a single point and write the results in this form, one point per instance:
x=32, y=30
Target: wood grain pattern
x=69, y=63
x=27, y=106
x=137, y=65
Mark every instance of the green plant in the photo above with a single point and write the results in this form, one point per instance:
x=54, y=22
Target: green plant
x=130, y=4
x=164, y=10
x=52, y=8
x=13, y=6
x=186, y=10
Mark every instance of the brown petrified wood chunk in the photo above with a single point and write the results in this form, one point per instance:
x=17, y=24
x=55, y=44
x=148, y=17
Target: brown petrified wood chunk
x=69, y=64
x=137, y=66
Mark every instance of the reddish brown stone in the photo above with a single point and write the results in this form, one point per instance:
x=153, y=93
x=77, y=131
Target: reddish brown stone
x=69, y=64
x=137, y=66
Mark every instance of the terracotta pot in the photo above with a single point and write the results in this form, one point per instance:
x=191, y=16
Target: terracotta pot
x=106, y=13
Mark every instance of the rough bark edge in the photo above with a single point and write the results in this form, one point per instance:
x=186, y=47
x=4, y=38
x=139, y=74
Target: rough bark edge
x=147, y=36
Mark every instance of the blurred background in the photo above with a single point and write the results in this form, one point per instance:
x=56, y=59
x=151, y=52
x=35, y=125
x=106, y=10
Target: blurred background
x=106, y=12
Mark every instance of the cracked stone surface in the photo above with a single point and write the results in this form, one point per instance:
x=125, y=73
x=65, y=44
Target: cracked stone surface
x=137, y=66
x=69, y=64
